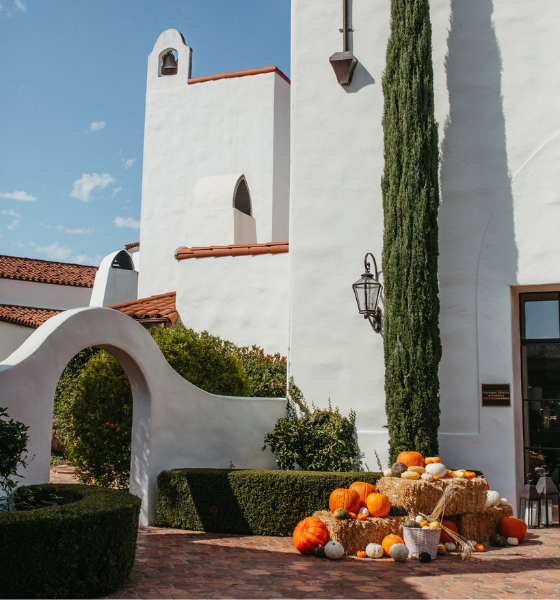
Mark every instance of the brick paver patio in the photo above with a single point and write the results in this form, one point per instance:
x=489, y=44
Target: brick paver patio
x=173, y=563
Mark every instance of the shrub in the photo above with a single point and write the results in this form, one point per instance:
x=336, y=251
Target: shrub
x=13, y=442
x=266, y=373
x=316, y=440
x=82, y=548
x=248, y=502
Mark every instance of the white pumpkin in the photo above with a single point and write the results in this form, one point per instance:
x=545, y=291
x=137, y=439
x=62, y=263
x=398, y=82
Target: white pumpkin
x=334, y=550
x=387, y=473
x=493, y=498
x=374, y=550
x=437, y=469
x=419, y=519
x=503, y=501
x=426, y=527
x=512, y=541
x=472, y=543
x=427, y=477
x=398, y=552
x=450, y=546
x=364, y=511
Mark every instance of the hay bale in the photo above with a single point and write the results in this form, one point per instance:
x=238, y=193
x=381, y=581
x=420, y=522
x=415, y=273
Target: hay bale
x=419, y=496
x=355, y=535
x=481, y=525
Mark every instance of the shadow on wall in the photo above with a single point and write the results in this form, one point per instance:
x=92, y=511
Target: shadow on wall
x=475, y=178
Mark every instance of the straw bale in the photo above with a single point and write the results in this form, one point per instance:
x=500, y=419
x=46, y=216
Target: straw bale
x=355, y=535
x=419, y=496
x=479, y=526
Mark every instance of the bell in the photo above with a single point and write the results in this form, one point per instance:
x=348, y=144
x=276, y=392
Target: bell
x=169, y=66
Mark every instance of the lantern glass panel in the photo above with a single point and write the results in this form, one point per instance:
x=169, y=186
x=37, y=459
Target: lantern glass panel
x=366, y=291
x=549, y=511
x=529, y=512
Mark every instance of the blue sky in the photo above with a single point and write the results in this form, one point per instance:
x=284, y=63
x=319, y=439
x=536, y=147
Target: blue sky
x=73, y=76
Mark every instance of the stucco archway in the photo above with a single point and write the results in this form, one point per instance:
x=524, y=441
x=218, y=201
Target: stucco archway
x=175, y=424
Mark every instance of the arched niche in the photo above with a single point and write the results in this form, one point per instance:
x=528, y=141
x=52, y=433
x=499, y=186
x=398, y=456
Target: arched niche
x=242, y=197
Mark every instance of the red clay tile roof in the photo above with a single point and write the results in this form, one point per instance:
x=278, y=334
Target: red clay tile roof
x=46, y=271
x=245, y=73
x=132, y=247
x=154, y=307
x=234, y=250
x=27, y=316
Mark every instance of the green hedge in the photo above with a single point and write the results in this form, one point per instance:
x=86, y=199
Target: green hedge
x=249, y=502
x=81, y=548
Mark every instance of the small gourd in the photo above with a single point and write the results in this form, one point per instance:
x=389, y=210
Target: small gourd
x=498, y=540
x=437, y=469
x=411, y=523
x=450, y=546
x=364, y=511
x=427, y=477
x=416, y=469
x=410, y=475
x=398, y=552
x=426, y=527
x=479, y=547
x=512, y=541
x=334, y=550
x=398, y=469
x=397, y=511
x=387, y=473
x=374, y=550
x=441, y=549
x=419, y=519
x=361, y=517
x=435, y=525
x=361, y=554
x=460, y=474
x=503, y=501
x=425, y=557
x=342, y=514
x=424, y=523
x=319, y=552
x=493, y=498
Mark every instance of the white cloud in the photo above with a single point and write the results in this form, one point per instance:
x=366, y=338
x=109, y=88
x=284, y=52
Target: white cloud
x=97, y=125
x=18, y=195
x=117, y=190
x=54, y=251
x=87, y=183
x=84, y=259
x=20, y=5
x=128, y=163
x=78, y=231
x=8, y=11
x=17, y=218
x=127, y=222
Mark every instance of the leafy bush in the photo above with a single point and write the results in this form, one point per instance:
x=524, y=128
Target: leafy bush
x=266, y=373
x=83, y=547
x=315, y=440
x=248, y=502
x=13, y=443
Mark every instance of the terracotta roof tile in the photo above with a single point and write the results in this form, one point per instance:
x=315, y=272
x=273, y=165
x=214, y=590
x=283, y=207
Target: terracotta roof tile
x=132, y=247
x=27, y=316
x=233, y=74
x=46, y=271
x=233, y=250
x=154, y=307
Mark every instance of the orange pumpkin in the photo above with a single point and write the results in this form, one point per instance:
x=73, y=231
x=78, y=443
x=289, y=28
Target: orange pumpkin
x=352, y=515
x=445, y=537
x=308, y=534
x=479, y=547
x=343, y=498
x=411, y=459
x=378, y=505
x=361, y=517
x=390, y=540
x=512, y=527
x=363, y=490
x=361, y=554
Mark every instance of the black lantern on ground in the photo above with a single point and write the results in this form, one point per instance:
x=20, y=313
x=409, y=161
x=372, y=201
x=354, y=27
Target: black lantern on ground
x=367, y=291
x=530, y=504
x=549, y=500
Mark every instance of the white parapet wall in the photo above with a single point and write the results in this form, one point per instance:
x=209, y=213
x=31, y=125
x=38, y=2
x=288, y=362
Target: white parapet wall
x=174, y=423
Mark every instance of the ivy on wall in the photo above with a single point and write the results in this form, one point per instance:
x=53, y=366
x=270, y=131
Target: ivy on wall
x=410, y=244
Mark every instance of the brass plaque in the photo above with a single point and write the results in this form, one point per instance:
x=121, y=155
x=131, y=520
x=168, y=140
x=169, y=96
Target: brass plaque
x=496, y=394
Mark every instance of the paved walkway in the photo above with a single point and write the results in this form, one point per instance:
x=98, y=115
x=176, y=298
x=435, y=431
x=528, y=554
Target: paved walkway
x=173, y=563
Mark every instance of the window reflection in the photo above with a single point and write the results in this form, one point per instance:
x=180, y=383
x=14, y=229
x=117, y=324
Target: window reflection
x=542, y=319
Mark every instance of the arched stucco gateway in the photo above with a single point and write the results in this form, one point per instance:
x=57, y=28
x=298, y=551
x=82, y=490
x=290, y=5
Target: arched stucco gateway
x=175, y=424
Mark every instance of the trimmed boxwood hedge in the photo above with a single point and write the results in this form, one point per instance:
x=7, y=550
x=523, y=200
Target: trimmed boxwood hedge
x=81, y=548
x=244, y=501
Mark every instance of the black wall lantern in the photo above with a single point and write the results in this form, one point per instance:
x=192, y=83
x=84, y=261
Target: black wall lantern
x=549, y=500
x=367, y=291
x=344, y=62
x=530, y=504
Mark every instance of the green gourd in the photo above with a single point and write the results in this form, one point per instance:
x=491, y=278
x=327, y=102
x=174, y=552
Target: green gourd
x=498, y=540
x=341, y=513
x=397, y=511
x=398, y=469
x=411, y=523
x=319, y=551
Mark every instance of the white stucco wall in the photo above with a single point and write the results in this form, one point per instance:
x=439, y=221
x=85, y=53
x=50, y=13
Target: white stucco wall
x=175, y=424
x=204, y=130
x=43, y=295
x=243, y=299
x=12, y=337
x=113, y=286
x=336, y=215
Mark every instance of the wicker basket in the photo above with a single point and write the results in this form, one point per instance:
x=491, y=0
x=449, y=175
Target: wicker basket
x=421, y=540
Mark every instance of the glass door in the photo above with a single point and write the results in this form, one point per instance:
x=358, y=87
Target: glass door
x=540, y=379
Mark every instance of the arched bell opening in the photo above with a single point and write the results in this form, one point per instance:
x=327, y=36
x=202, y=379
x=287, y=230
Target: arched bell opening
x=168, y=63
x=242, y=197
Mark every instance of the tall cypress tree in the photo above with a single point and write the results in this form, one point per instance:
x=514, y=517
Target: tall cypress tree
x=410, y=243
